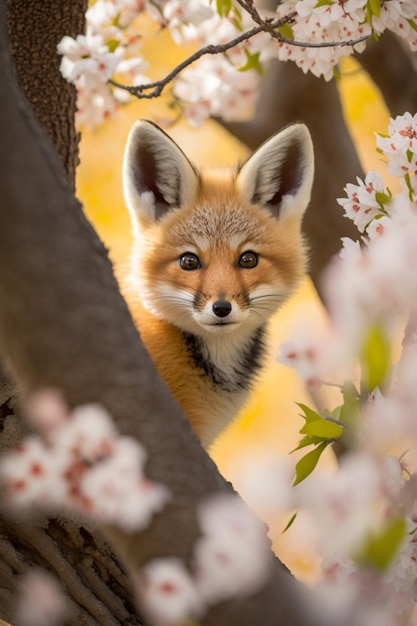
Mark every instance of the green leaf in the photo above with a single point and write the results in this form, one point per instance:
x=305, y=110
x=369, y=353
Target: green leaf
x=323, y=3
x=223, y=7
x=286, y=31
x=112, y=45
x=409, y=186
x=336, y=73
x=252, y=62
x=308, y=462
x=324, y=429
x=412, y=24
x=375, y=357
x=349, y=411
x=237, y=19
x=382, y=198
x=374, y=7
x=290, y=523
x=381, y=548
x=304, y=442
x=309, y=414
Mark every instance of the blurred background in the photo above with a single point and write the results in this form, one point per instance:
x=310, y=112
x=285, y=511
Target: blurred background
x=269, y=424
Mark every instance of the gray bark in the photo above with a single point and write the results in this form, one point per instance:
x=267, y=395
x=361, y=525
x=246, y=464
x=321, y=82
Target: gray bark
x=64, y=324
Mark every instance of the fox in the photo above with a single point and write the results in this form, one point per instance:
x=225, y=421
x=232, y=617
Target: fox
x=215, y=254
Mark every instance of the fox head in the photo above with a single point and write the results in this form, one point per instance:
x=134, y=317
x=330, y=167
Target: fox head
x=217, y=251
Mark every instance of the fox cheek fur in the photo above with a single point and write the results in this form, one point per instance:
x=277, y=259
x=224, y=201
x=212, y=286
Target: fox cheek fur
x=215, y=254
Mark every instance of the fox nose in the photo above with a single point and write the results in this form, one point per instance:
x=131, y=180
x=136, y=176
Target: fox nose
x=221, y=308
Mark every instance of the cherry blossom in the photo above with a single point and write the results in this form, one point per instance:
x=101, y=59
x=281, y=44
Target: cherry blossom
x=167, y=592
x=114, y=35
x=215, y=87
x=232, y=557
x=400, y=146
x=371, y=285
x=41, y=601
x=362, y=204
x=79, y=462
x=347, y=505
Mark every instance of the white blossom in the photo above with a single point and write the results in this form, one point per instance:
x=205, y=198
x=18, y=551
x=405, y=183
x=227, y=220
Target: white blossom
x=362, y=205
x=400, y=147
x=167, y=592
x=41, y=601
x=81, y=464
x=348, y=504
x=232, y=557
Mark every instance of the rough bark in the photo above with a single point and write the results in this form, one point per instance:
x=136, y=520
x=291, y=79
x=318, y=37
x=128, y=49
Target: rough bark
x=63, y=323
x=35, y=28
x=393, y=68
x=97, y=587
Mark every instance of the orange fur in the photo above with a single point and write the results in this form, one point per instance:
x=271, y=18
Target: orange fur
x=209, y=357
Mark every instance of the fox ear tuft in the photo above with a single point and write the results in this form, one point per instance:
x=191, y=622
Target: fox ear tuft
x=279, y=174
x=157, y=176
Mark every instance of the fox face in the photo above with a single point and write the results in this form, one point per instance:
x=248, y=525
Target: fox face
x=216, y=253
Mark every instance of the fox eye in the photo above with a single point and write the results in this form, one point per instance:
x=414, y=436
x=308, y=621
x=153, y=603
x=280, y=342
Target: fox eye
x=189, y=261
x=248, y=259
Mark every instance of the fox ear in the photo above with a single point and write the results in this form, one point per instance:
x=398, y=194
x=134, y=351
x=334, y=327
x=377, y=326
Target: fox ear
x=279, y=175
x=157, y=176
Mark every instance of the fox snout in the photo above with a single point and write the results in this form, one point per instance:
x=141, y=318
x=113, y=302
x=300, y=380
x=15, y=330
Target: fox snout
x=221, y=308
x=220, y=314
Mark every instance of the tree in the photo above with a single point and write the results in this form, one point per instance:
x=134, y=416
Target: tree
x=116, y=383
x=68, y=279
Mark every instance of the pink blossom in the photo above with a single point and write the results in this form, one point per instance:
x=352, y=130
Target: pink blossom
x=400, y=147
x=351, y=250
x=41, y=601
x=378, y=227
x=82, y=464
x=232, y=557
x=317, y=351
x=350, y=503
x=194, y=12
x=216, y=87
x=361, y=205
x=26, y=472
x=167, y=593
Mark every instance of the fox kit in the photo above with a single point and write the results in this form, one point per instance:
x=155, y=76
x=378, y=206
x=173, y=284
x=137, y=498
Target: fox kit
x=215, y=255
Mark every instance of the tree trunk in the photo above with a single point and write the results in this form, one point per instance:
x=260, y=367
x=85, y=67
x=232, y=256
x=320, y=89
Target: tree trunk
x=393, y=68
x=35, y=28
x=64, y=324
x=98, y=589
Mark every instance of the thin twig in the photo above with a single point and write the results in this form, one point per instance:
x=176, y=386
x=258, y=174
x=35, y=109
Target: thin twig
x=155, y=89
x=269, y=25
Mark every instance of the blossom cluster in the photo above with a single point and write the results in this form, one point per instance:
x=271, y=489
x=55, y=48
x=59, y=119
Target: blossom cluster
x=227, y=84
x=365, y=515
x=342, y=21
x=110, y=47
x=231, y=558
x=80, y=463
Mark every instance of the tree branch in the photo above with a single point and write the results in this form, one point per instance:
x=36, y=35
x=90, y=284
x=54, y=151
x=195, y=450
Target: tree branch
x=80, y=338
x=270, y=26
x=155, y=89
